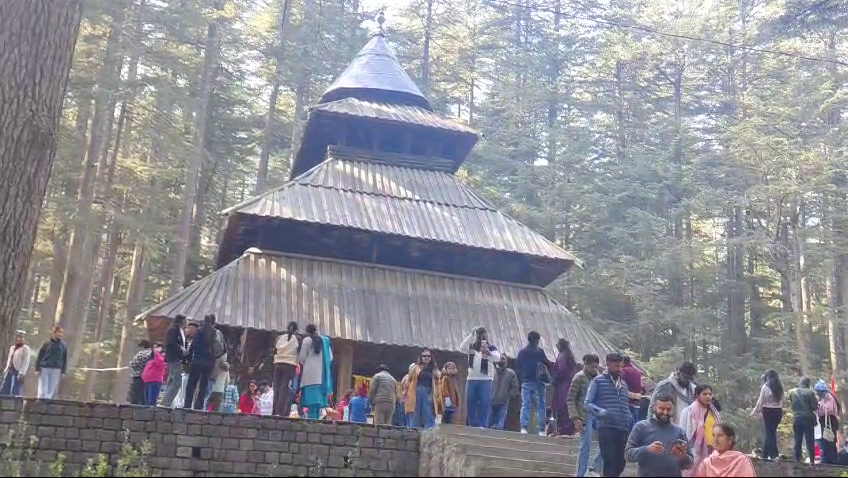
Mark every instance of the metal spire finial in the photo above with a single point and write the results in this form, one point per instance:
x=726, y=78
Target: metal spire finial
x=381, y=18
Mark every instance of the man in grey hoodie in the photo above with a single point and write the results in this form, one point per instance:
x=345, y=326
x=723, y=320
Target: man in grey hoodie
x=659, y=446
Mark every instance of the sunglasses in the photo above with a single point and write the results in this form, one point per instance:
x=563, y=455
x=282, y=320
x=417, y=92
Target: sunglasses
x=425, y=356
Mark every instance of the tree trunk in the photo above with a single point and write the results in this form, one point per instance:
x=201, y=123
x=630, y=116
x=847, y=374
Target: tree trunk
x=189, y=196
x=797, y=288
x=37, y=39
x=425, y=55
x=268, y=133
x=72, y=306
x=107, y=287
x=135, y=294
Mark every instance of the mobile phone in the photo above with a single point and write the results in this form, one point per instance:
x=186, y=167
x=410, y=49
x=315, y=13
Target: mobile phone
x=680, y=442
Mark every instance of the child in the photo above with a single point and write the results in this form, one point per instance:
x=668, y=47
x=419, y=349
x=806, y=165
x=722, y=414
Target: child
x=231, y=397
x=358, y=407
x=154, y=375
x=450, y=391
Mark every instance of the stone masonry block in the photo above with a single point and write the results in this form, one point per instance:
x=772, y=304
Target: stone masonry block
x=230, y=443
x=91, y=446
x=336, y=461
x=133, y=425
x=256, y=456
x=218, y=467
x=112, y=424
x=57, y=420
x=244, y=468
x=196, y=440
x=105, y=412
x=143, y=413
x=275, y=446
x=106, y=435
x=236, y=456
x=320, y=451
x=110, y=447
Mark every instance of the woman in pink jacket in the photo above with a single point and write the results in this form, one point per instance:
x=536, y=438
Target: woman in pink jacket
x=154, y=375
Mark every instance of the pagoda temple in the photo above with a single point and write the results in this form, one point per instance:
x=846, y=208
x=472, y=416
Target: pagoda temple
x=376, y=241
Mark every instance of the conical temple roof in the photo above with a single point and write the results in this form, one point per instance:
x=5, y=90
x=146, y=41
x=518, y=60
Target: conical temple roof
x=376, y=75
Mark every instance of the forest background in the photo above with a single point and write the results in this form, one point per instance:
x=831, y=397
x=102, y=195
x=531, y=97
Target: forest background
x=691, y=153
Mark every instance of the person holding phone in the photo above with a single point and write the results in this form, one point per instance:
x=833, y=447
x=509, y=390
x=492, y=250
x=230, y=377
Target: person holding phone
x=482, y=357
x=657, y=445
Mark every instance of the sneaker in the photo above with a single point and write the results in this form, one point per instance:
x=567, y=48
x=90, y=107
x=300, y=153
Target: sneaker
x=523, y=431
x=543, y=434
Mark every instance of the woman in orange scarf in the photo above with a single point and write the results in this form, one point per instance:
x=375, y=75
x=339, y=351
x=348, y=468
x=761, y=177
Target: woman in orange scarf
x=725, y=461
x=424, y=399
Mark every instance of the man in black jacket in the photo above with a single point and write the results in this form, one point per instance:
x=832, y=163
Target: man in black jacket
x=202, y=360
x=175, y=351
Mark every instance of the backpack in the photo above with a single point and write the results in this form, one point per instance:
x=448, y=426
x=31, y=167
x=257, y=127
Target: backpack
x=219, y=345
x=543, y=374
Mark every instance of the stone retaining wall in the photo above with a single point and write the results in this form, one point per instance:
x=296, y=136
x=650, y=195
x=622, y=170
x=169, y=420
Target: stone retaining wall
x=189, y=443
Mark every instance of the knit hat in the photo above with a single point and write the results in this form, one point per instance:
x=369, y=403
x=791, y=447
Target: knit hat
x=820, y=386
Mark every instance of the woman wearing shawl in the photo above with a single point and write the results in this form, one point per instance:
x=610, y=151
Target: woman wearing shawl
x=564, y=370
x=725, y=461
x=404, y=395
x=828, y=416
x=316, y=381
x=424, y=398
x=698, y=421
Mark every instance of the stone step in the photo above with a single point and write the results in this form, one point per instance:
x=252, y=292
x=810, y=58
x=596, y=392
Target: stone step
x=518, y=442
x=491, y=471
x=480, y=461
x=448, y=430
x=519, y=450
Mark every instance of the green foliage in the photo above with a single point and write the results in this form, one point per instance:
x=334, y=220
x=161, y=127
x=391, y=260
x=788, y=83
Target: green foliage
x=132, y=462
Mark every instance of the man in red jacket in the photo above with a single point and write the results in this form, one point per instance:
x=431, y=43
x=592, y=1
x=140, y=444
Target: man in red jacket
x=633, y=378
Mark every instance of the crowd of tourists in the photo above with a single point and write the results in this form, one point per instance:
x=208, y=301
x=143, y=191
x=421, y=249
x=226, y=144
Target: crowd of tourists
x=671, y=428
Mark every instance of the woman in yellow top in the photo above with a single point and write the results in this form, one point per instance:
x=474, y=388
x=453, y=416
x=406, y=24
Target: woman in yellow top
x=698, y=421
x=424, y=397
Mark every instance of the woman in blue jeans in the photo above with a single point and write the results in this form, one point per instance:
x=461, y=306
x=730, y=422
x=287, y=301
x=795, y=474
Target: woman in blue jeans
x=424, y=394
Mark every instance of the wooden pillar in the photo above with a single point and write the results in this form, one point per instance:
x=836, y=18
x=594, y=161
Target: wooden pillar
x=343, y=356
x=461, y=379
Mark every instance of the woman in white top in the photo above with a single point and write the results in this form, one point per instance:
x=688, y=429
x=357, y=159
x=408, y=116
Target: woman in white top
x=770, y=405
x=285, y=365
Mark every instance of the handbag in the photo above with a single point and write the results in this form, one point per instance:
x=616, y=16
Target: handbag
x=827, y=432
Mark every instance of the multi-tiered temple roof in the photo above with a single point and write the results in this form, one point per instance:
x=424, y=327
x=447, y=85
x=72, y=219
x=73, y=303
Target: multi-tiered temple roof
x=376, y=241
